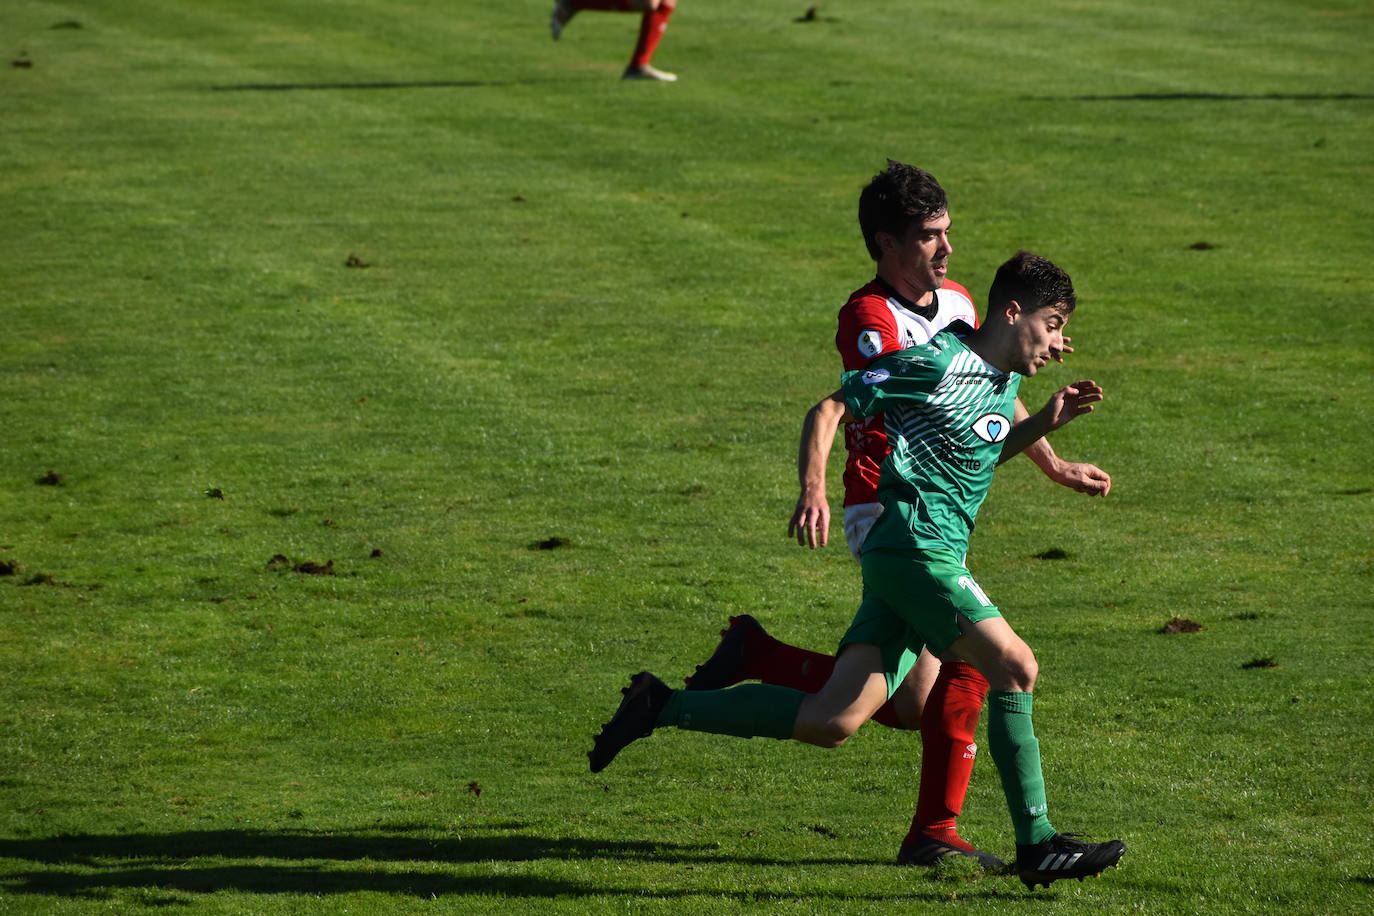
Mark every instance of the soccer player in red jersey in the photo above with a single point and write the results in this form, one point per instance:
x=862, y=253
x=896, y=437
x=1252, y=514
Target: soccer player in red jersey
x=904, y=216
x=651, y=27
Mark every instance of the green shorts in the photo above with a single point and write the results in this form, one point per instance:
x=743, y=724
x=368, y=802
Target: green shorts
x=914, y=598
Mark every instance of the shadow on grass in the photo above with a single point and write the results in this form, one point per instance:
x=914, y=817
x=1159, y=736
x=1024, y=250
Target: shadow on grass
x=405, y=84
x=266, y=879
x=340, y=846
x=1208, y=97
x=99, y=865
x=275, y=879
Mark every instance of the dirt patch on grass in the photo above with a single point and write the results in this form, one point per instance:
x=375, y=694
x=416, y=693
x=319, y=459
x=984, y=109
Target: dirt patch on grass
x=280, y=562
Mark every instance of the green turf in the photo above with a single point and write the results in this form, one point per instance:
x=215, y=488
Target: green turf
x=595, y=311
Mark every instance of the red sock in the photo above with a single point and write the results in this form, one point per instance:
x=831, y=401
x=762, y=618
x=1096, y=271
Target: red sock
x=774, y=662
x=783, y=665
x=801, y=669
x=650, y=32
x=948, y=725
x=887, y=715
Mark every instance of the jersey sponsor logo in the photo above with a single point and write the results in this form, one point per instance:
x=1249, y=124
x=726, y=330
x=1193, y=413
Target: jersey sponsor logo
x=954, y=457
x=870, y=342
x=874, y=376
x=991, y=427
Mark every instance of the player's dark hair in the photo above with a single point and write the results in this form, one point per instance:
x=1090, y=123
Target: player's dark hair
x=1034, y=282
x=897, y=197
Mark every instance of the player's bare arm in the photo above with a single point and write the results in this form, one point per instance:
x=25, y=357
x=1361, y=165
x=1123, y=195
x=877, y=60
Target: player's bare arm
x=1076, y=475
x=810, y=523
x=1079, y=476
x=1066, y=404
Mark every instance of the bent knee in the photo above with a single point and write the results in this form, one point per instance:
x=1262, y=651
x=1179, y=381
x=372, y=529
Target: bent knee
x=837, y=731
x=1017, y=671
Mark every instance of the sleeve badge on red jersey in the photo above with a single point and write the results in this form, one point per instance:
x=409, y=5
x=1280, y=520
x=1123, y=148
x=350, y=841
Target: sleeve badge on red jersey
x=870, y=342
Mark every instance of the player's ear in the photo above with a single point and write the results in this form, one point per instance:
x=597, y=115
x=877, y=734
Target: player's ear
x=886, y=241
x=1013, y=311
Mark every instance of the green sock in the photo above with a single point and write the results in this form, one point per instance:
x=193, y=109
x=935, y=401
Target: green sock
x=1016, y=751
x=746, y=711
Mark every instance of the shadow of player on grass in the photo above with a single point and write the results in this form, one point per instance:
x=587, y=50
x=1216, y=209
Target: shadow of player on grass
x=166, y=864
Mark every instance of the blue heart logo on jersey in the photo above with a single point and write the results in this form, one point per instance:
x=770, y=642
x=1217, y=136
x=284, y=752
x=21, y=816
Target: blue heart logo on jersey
x=991, y=427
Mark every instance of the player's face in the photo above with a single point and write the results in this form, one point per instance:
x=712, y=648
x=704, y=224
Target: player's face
x=918, y=260
x=1040, y=336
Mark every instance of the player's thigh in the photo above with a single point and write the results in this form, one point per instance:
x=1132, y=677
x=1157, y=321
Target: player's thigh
x=855, y=690
x=876, y=625
x=910, y=695
x=999, y=654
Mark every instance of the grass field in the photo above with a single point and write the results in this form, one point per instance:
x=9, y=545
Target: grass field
x=595, y=311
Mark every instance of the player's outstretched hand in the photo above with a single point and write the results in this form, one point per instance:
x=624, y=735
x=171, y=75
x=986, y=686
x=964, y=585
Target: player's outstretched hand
x=1071, y=401
x=810, y=523
x=1083, y=477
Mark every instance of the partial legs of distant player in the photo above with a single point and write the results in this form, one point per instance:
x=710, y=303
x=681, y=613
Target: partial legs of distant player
x=943, y=702
x=651, y=27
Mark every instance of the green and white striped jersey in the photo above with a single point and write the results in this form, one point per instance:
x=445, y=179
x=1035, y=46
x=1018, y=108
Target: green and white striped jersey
x=947, y=413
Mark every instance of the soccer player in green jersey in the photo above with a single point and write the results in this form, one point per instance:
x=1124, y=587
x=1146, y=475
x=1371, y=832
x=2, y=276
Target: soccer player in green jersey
x=948, y=406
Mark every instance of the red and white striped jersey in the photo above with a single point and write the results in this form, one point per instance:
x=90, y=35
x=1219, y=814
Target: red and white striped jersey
x=877, y=320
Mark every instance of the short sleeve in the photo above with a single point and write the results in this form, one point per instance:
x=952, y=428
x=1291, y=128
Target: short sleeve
x=907, y=376
x=866, y=330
